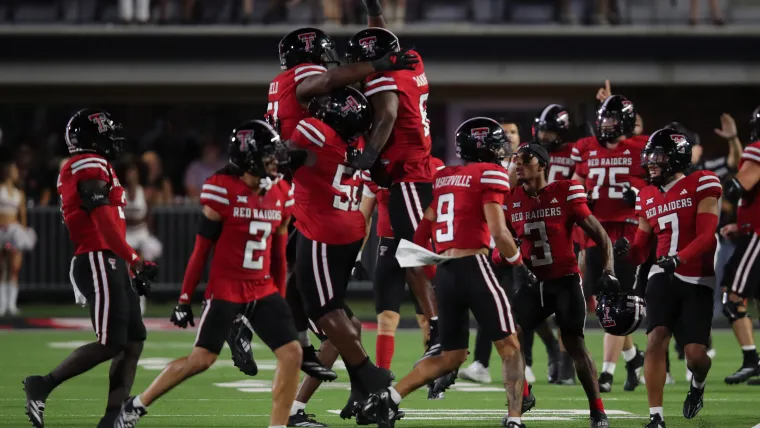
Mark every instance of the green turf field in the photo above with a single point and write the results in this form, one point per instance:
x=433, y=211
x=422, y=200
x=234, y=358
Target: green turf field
x=223, y=397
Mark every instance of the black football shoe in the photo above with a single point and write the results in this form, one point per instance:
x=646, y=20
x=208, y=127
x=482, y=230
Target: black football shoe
x=633, y=369
x=505, y=424
x=605, y=382
x=37, y=390
x=129, y=415
x=302, y=419
x=312, y=366
x=655, y=421
x=552, y=368
x=383, y=408
x=239, y=340
x=599, y=420
x=353, y=409
x=694, y=402
x=528, y=402
x=436, y=389
x=745, y=372
x=108, y=420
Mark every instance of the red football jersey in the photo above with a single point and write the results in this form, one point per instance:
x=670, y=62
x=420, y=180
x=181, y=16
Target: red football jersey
x=326, y=193
x=673, y=217
x=562, y=165
x=82, y=230
x=381, y=194
x=748, y=212
x=283, y=106
x=240, y=266
x=407, y=152
x=544, y=224
x=459, y=193
x=608, y=172
x=288, y=189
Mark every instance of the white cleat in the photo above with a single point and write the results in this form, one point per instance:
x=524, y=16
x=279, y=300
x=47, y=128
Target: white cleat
x=529, y=376
x=475, y=373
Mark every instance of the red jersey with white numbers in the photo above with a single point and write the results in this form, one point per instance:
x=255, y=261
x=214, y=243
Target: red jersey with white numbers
x=283, y=106
x=459, y=193
x=240, y=266
x=748, y=212
x=82, y=230
x=544, y=225
x=673, y=217
x=326, y=193
x=561, y=164
x=407, y=152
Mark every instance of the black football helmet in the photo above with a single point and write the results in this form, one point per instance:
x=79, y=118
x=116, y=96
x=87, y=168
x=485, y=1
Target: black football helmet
x=307, y=45
x=620, y=314
x=615, y=118
x=346, y=110
x=252, y=145
x=754, y=123
x=668, y=149
x=371, y=44
x=95, y=131
x=553, y=118
x=481, y=139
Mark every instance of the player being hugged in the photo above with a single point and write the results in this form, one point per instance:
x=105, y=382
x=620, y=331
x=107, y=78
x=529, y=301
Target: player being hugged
x=92, y=202
x=243, y=221
x=464, y=215
x=682, y=213
x=543, y=214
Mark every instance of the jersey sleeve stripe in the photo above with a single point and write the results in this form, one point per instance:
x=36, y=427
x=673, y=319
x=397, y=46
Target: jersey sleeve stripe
x=380, y=80
x=707, y=186
x=751, y=149
x=496, y=173
x=576, y=158
x=709, y=177
x=89, y=165
x=309, y=68
x=575, y=151
x=290, y=203
x=637, y=208
x=576, y=196
x=750, y=156
x=576, y=187
x=307, y=74
x=212, y=197
x=308, y=135
x=313, y=129
x=373, y=91
x=494, y=181
x=88, y=160
x=213, y=188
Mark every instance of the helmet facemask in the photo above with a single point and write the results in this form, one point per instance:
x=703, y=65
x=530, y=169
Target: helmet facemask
x=656, y=157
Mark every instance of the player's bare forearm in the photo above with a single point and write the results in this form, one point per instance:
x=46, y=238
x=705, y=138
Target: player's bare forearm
x=579, y=179
x=734, y=152
x=749, y=175
x=497, y=225
x=594, y=229
x=374, y=14
x=337, y=77
x=385, y=106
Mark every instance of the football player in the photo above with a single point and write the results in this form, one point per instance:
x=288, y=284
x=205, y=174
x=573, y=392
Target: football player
x=681, y=211
x=742, y=275
x=242, y=221
x=92, y=206
x=609, y=165
x=543, y=214
x=464, y=215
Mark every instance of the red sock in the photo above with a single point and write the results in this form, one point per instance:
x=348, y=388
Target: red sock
x=596, y=404
x=384, y=347
x=526, y=390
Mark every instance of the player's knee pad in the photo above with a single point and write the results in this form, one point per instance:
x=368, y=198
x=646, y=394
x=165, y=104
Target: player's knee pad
x=387, y=322
x=733, y=310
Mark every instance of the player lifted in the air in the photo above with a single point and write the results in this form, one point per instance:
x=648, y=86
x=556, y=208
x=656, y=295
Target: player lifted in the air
x=681, y=211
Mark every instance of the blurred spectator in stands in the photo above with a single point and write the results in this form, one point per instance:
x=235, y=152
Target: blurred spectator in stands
x=394, y=11
x=638, y=128
x=715, y=10
x=333, y=11
x=158, y=188
x=15, y=237
x=199, y=170
x=131, y=11
x=512, y=131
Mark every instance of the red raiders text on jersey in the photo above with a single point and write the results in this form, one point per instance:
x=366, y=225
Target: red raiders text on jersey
x=283, y=106
x=326, y=193
x=407, y=151
x=544, y=224
x=82, y=229
x=240, y=266
x=459, y=194
x=748, y=213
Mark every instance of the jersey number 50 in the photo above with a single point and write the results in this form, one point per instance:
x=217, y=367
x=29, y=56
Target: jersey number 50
x=349, y=200
x=255, y=228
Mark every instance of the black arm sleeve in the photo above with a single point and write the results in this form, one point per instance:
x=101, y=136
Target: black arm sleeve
x=209, y=229
x=734, y=191
x=93, y=193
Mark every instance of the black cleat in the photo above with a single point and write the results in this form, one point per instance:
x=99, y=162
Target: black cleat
x=566, y=370
x=633, y=368
x=605, y=382
x=693, y=403
x=655, y=421
x=384, y=410
x=528, y=402
x=129, y=414
x=553, y=367
x=754, y=381
x=353, y=409
x=599, y=420
x=506, y=424
x=312, y=366
x=436, y=389
x=239, y=340
x=108, y=420
x=37, y=390
x=302, y=419
x=743, y=374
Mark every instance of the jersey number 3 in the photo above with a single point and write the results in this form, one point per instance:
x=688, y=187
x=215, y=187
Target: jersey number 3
x=541, y=242
x=255, y=228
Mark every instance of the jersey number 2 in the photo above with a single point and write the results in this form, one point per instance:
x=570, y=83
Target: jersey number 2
x=254, y=228
x=542, y=242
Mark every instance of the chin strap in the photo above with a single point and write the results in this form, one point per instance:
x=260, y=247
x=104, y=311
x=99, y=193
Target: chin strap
x=266, y=183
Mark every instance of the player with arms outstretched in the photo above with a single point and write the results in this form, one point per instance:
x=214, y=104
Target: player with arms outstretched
x=243, y=222
x=681, y=211
x=92, y=202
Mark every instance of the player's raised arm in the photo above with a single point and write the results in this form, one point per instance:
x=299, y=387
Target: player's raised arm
x=374, y=13
x=497, y=225
x=385, y=110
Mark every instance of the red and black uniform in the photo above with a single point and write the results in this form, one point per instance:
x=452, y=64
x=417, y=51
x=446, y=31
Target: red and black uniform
x=99, y=269
x=544, y=225
x=245, y=267
x=283, y=107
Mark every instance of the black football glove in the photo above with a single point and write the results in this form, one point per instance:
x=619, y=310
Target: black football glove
x=669, y=263
x=608, y=283
x=143, y=275
x=524, y=276
x=621, y=247
x=629, y=196
x=182, y=315
x=359, y=272
x=392, y=61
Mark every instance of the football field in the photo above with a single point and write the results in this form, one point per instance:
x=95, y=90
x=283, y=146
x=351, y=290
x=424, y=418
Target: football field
x=224, y=397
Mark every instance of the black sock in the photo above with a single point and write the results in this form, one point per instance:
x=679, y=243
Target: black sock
x=527, y=346
x=357, y=389
x=750, y=358
x=81, y=360
x=433, y=330
x=483, y=348
x=372, y=377
x=52, y=381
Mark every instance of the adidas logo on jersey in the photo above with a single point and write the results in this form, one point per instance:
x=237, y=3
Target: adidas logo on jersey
x=683, y=192
x=278, y=203
x=242, y=199
x=554, y=201
x=627, y=152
